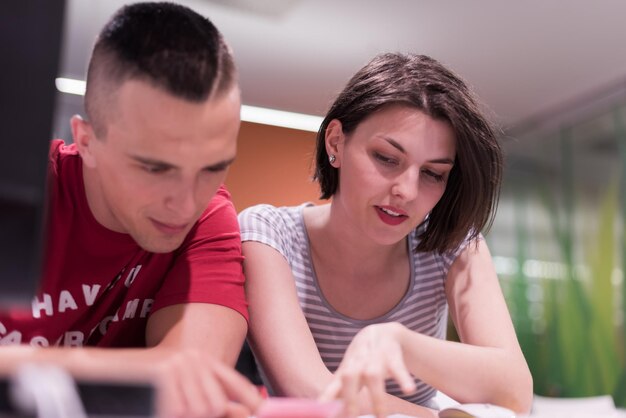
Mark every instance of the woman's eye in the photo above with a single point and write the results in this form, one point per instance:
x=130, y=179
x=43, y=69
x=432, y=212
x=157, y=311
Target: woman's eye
x=385, y=160
x=434, y=176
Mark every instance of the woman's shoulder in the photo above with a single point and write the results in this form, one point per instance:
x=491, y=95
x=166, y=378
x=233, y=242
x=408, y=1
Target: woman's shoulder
x=442, y=259
x=270, y=213
x=265, y=219
x=278, y=227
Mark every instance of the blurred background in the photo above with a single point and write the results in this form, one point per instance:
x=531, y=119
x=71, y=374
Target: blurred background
x=551, y=74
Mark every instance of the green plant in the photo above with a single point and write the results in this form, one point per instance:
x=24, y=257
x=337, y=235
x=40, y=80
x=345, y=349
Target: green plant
x=578, y=351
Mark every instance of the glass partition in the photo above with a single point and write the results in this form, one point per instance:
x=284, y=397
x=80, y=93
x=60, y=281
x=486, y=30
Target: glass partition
x=559, y=246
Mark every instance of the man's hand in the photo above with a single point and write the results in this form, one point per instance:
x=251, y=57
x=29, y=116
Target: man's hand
x=190, y=384
x=193, y=357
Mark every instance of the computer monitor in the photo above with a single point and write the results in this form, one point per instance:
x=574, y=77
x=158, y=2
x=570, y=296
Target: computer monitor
x=31, y=33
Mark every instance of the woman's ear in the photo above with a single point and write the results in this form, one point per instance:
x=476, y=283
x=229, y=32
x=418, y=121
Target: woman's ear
x=84, y=136
x=334, y=142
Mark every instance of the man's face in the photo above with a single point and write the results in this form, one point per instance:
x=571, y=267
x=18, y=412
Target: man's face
x=159, y=163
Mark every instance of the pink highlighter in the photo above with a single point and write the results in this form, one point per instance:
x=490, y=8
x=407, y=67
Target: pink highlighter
x=298, y=408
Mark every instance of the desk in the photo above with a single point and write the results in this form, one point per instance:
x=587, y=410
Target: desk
x=545, y=407
x=100, y=400
x=589, y=407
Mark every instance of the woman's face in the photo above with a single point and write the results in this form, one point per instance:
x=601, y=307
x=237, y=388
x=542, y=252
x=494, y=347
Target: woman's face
x=393, y=169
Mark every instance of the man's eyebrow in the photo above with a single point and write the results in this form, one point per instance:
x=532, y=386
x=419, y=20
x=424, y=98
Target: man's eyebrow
x=152, y=162
x=220, y=165
x=400, y=148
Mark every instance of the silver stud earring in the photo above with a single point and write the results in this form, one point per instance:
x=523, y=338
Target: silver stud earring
x=332, y=159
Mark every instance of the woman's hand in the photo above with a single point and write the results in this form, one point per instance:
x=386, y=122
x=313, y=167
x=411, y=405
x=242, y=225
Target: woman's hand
x=374, y=355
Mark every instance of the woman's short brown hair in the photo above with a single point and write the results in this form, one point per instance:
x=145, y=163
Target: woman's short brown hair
x=469, y=202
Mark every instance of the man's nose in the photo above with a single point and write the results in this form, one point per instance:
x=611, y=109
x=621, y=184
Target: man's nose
x=181, y=200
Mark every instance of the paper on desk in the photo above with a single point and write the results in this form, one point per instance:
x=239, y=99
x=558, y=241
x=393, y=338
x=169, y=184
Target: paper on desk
x=388, y=416
x=587, y=407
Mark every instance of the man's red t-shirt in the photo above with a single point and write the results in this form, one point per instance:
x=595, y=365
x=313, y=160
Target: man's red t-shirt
x=99, y=287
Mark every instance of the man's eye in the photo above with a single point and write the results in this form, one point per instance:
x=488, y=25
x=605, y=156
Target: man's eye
x=217, y=169
x=154, y=169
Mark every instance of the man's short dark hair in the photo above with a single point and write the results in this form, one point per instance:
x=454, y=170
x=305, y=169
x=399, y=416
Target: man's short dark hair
x=469, y=202
x=167, y=45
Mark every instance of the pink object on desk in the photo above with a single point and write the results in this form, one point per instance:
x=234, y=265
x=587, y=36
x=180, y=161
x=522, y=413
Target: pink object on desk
x=298, y=408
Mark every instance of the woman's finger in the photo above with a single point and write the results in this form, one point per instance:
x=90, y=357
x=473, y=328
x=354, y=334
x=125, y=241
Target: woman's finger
x=399, y=372
x=332, y=391
x=374, y=381
x=350, y=386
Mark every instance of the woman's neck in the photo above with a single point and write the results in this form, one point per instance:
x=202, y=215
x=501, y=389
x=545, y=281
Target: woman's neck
x=351, y=269
x=333, y=240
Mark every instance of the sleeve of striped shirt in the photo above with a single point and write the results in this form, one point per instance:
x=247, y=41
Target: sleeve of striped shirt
x=265, y=224
x=450, y=256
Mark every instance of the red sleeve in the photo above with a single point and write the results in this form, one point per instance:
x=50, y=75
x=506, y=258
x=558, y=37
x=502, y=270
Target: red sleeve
x=208, y=267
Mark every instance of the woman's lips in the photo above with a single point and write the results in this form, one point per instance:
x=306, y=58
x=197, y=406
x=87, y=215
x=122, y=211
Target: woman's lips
x=390, y=216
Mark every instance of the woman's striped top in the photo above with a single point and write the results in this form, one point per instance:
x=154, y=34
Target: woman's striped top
x=423, y=308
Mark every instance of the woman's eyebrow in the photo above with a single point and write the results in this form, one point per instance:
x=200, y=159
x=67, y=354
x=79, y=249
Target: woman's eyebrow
x=395, y=144
x=400, y=148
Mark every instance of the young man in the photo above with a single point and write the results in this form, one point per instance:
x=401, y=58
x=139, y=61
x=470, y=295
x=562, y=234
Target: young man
x=143, y=252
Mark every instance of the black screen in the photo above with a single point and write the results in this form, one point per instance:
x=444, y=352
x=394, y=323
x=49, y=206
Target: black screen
x=30, y=34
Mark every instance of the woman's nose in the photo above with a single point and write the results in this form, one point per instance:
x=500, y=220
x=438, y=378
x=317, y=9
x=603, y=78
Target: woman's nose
x=406, y=185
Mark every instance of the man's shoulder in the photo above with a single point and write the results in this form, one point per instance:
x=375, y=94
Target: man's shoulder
x=219, y=202
x=60, y=154
x=219, y=214
x=59, y=149
x=218, y=223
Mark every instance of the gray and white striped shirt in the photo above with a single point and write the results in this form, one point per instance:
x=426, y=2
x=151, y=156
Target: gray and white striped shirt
x=423, y=308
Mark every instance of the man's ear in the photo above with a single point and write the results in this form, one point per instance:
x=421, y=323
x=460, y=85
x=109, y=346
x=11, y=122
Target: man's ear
x=335, y=139
x=84, y=138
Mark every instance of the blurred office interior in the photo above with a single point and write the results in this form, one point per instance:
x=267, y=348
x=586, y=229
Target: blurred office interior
x=553, y=76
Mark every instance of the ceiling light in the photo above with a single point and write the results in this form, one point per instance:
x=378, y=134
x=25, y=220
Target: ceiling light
x=70, y=86
x=280, y=118
x=253, y=114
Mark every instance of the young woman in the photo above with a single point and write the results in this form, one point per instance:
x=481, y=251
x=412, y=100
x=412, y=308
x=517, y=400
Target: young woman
x=350, y=299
